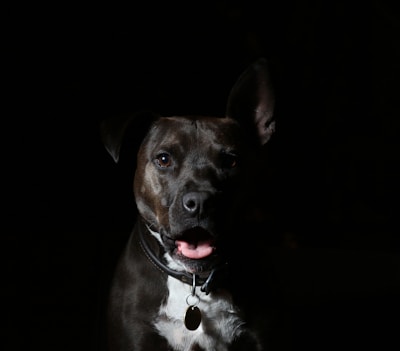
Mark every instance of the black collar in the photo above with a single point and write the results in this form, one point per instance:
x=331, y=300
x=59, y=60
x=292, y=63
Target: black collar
x=208, y=284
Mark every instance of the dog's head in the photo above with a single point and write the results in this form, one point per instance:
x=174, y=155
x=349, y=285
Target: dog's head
x=189, y=168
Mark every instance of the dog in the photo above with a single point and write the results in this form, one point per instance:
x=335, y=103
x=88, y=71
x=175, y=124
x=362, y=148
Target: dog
x=179, y=284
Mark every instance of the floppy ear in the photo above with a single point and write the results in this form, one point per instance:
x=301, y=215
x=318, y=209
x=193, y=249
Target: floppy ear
x=251, y=101
x=125, y=134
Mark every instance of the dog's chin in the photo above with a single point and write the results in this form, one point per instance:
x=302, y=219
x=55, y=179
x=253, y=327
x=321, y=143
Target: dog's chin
x=197, y=266
x=195, y=250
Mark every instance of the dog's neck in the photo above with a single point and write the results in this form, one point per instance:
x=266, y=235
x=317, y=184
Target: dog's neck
x=208, y=283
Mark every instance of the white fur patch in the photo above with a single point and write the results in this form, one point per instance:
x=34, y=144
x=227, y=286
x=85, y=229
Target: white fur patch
x=220, y=322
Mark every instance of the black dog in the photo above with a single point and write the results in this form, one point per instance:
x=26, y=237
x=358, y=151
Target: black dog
x=174, y=288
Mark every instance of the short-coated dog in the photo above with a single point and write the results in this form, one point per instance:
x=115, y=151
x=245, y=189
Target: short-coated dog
x=183, y=281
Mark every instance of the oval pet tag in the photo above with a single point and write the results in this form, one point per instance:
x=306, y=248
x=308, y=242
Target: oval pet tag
x=192, y=318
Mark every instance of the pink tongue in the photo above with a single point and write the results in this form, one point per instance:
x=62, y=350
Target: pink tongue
x=195, y=251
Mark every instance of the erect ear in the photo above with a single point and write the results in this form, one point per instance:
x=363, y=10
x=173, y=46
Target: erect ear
x=124, y=134
x=251, y=101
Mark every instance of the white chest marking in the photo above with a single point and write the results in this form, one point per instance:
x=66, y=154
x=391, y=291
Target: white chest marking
x=220, y=322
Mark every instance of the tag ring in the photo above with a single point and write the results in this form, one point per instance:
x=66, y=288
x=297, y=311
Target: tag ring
x=192, y=300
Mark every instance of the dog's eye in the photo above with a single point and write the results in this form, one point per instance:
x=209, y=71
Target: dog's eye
x=229, y=160
x=163, y=160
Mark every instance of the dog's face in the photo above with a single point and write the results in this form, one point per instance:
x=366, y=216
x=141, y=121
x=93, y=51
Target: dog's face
x=187, y=171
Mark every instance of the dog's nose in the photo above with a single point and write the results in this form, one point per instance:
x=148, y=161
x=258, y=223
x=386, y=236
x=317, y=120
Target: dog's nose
x=194, y=202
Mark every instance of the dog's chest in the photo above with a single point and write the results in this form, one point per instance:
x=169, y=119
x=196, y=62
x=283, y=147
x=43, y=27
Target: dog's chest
x=220, y=322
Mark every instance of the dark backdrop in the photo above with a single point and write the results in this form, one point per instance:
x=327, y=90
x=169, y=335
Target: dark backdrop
x=68, y=208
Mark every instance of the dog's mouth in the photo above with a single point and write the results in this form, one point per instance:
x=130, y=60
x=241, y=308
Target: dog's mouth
x=195, y=243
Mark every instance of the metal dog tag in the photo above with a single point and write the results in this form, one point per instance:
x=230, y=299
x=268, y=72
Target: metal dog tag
x=192, y=318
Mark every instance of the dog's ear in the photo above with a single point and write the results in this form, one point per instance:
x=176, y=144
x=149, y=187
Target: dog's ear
x=122, y=134
x=251, y=101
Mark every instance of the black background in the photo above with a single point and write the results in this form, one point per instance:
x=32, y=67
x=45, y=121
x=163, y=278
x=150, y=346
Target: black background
x=68, y=208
